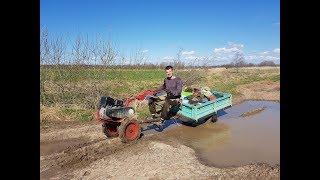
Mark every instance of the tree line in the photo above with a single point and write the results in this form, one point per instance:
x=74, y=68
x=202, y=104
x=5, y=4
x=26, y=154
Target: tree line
x=56, y=51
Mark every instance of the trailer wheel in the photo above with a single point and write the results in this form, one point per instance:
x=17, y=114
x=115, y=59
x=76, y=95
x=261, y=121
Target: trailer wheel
x=214, y=118
x=110, y=130
x=129, y=130
x=187, y=123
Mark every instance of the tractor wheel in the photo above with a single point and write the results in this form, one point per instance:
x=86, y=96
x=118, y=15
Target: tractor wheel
x=214, y=118
x=110, y=130
x=129, y=130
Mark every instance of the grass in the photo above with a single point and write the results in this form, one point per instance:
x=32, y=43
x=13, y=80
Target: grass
x=69, y=87
x=76, y=75
x=143, y=111
x=275, y=78
x=82, y=115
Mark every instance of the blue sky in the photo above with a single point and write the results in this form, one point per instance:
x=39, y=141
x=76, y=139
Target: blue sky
x=201, y=28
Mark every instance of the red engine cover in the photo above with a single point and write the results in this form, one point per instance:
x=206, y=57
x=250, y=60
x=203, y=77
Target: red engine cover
x=140, y=96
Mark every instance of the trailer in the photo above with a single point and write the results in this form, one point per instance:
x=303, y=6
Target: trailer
x=124, y=124
x=194, y=113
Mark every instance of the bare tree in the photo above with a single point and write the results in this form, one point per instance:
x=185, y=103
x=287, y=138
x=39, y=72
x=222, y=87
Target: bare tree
x=44, y=46
x=109, y=53
x=105, y=52
x=82, y=50
x=209, y=61
x=267, y=63
x=206, y=62
x=238, y=60
x=177, y=62
x=138, y=57
x=122, y=60
x=44, y=59
x=76, y=50
x=58, y=47
x=94, y=50
x=145, y=59
x=162, y=65
x=86, y=51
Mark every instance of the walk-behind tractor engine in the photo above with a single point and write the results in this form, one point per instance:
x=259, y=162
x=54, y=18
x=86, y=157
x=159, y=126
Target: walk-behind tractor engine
x=118, y=117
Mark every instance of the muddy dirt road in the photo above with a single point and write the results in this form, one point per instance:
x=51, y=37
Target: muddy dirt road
x=81, y=151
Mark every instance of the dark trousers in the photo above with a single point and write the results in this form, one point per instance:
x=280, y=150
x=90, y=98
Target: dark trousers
x=164, y=106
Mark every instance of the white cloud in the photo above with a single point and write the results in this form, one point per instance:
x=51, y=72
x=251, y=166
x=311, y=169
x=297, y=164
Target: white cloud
x=191, y=57
x=188, y=53
x=231, y=48
x=146, y=50
x=225, y=50
x=251, y=57
x=272, y=58
x=167, y=58
x=258, y=57
x=232, y=44
x=224, y=55
x=277, y=50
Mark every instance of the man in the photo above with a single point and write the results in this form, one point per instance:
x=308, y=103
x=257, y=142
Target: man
x=172, y=85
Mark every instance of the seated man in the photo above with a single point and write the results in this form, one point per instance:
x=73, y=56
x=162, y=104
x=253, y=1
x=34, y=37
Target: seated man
x=172, y=86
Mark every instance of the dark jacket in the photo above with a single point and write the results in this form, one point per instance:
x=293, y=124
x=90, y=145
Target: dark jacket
x=172, y=86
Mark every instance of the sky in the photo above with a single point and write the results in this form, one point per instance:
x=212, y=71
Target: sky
x=159, y=28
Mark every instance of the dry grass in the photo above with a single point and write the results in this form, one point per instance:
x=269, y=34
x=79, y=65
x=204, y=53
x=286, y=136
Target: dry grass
x=60, y=113
x=73, y=94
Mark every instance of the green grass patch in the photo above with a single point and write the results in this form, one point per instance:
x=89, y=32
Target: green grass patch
x=143, y=112
x=275, y=78
x=229, y=87
x=82, y=115
x=75, y=75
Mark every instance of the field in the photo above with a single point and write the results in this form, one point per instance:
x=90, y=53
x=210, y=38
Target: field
x=72, y=93
x=72, y=145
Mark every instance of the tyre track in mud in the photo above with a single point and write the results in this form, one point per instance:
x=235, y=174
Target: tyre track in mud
x=75, y=148
x=64, y=156
x=77, y=156
x=159, y=156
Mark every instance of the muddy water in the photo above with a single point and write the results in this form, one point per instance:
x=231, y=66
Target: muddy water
x=236, y=139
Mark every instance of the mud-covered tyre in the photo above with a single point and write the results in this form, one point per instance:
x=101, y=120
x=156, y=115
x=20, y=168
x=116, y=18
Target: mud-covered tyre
x=214, y=118
x=187, y=123
x=110, y=130
x=129, y=130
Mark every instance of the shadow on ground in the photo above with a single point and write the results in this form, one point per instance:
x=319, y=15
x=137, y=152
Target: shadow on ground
x=177, y=122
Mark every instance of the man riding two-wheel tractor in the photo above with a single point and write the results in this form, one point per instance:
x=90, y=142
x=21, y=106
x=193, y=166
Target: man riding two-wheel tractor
x=119, y=118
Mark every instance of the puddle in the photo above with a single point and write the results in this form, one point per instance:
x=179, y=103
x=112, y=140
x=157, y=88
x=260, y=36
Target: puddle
x=245, y=133
x=252, y=112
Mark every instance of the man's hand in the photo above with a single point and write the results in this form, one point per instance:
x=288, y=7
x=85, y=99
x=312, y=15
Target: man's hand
x=169, y=94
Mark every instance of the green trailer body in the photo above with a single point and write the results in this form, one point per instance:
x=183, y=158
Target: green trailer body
x=195, y=112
